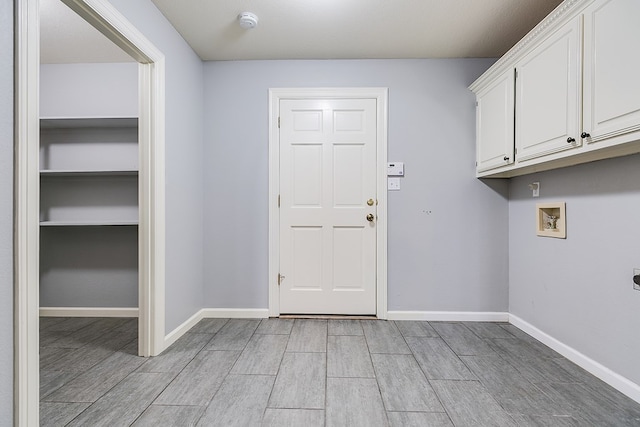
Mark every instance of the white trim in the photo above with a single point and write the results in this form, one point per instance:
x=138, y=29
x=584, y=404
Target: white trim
x=88, y=312
x=26, y=214
x=104, y=17
x=174, y=335
x=235, y=313
x=612, y=378
x=381, y=95
x=450, y=316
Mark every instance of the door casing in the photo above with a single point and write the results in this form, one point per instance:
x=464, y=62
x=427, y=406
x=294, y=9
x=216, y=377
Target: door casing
x=106, y=19
x=381, y=97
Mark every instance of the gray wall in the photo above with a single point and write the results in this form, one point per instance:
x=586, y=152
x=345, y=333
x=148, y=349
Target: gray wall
x=184, y=160
x=448, y=238
x=6, y=212
x=579, y=290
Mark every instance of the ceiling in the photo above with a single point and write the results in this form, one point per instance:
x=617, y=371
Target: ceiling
x=314, y=29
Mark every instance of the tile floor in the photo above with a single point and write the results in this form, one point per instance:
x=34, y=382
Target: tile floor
x=281, y=372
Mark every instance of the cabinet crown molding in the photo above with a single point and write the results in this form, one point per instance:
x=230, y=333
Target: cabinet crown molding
x=556, y=19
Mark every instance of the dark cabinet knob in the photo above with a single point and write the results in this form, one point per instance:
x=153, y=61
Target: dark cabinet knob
x=636, y=279
x=506, y=159
x=571, y=140
x=584, y=135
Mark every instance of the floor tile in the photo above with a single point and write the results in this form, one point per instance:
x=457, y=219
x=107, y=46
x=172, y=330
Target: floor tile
x=419, y=419
x=416, y=329
x=85, y=335
x=511, y=390
x=70, y=324
x=169, y=416
x=516, y=349
x=241, y=401
x=437, y=360
x=49, y=355
x=548, y=421
x=262, y=355
x=308, y=336
x=591, y=406
x=176, y=357
x=95, y=382
x=403, y=385
x=488, y=329
x=208, y=326
x=354, y=402
x=345, y=327
x=461, y=340
x=125, y=402
x=81, y=359
x=200, y=379
x=293, y=418
x=348, y=356
x=469, y=404
x=50, y=381
x=275, y=326
x=384, y=337
x=234, y=335
x=540, y=347
x=301, y=382
x=540, y=369
x=47, y=322
x=55, y=414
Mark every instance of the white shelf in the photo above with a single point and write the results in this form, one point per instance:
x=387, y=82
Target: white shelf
x=96, y=223
x=87, y=122
x=64, y=173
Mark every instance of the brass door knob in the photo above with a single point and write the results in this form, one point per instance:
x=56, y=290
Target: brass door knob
x=370, y=202
x=370, y=217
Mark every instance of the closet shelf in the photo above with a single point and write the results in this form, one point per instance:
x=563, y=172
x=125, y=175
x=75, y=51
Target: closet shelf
x=64, y=173
x=88, y=122
x=96, y=223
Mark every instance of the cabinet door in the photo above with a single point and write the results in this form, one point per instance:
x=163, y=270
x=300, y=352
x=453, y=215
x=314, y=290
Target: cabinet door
x=612, y=68
x=548, y=95
x=494, y=123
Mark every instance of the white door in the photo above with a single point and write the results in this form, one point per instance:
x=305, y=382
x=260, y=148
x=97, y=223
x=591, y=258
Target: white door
x=328, y=206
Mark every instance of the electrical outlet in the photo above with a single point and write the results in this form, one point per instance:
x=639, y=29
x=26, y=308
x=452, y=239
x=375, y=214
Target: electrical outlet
x=636, y=279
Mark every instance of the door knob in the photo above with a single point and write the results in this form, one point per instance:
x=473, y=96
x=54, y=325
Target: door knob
x=584, y=135
x=571, y=140
x=370, y=202
x=370, y=217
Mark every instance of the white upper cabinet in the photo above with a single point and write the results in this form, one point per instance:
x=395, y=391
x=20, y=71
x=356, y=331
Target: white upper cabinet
x=612, y=68
x=577, y=92
x=548, y=96
x=494, y=123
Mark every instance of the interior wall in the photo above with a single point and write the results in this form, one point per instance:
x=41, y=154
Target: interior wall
x=184, y=160
x=447, y=234
x=580, y=290
x=6, y=211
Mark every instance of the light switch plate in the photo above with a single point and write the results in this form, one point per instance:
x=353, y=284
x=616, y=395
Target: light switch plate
x=393, y=184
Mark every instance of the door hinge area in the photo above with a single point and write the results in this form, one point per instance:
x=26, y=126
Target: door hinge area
x=278, y=200
x=280, y=278
x=278, y=122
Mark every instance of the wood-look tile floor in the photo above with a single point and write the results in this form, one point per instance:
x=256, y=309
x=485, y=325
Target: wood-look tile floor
x=306, y=372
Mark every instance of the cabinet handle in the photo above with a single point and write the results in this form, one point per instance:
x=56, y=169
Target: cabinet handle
x=571, y=140
x=584, y=135
x=506, y=159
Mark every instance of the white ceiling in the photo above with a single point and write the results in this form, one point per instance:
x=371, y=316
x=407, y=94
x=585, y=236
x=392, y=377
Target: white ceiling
x=315, y=29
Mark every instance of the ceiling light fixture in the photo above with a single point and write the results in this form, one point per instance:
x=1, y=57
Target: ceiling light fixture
x=248, y=20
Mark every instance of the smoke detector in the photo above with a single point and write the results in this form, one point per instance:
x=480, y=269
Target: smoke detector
x=248, y=20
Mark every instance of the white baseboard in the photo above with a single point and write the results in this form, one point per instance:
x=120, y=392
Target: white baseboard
x=612, y=378
x=236, y=313
x=173, y=336
x=449, y=316
x=88, y=312
x=206, y=313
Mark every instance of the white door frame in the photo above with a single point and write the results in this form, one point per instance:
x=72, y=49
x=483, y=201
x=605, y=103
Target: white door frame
x=381, y=96
x=151, y=235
